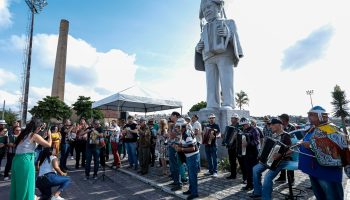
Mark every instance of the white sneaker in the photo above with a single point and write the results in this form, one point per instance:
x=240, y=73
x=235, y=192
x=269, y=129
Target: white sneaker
x=207, y=173
x=6, y=178
x=215, y=175
x=72, y=157
x=57, y=198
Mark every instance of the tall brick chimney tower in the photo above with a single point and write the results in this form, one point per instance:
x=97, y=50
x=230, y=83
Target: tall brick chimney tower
x=60, y=63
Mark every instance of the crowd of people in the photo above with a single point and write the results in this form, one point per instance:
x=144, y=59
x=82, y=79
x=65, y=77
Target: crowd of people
x=175, y=142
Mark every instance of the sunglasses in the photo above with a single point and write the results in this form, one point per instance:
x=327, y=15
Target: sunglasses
x=212, y=118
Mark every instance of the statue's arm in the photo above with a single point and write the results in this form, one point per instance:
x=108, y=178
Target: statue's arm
x=235, y=38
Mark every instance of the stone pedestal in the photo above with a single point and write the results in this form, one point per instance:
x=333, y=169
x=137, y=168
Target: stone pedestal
x=223, y=119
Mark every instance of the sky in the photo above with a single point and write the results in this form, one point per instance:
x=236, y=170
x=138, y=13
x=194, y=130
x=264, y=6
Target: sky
x=289, y=47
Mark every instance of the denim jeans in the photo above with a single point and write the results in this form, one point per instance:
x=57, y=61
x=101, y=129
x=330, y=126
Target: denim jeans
x=174, y=168
x=53, y=181
x=37, y=152
x=326, y=190
x=64, y=155
x=95, y=152
x=193, y=169
x=211, y=153
x=266, y=189
x=131, y=150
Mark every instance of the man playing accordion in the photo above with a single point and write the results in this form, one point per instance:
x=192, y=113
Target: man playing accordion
x=264, y=190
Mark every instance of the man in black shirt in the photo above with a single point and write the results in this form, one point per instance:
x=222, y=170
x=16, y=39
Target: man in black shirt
x=129, y=134
x=94, y=137
x=287, y=127
x=211, y=132
x=265, y=190
x=232, y=148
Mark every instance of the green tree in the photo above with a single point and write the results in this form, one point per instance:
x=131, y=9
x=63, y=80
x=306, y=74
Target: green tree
x=241, y=99
x=198, y=106
x=9, y=116
x=51, y=107
x=83, y=108
x=340, y=106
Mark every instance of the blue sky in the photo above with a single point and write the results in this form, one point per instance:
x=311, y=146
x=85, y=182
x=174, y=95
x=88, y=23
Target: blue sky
x=292, y=44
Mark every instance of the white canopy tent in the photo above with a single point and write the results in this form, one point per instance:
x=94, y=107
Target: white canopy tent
x=137, y=99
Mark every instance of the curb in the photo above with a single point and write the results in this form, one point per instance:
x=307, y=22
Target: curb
x=152, y=183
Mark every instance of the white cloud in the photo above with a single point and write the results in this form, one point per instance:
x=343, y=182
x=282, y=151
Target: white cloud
x=89, y=72
x=6, y=76
x=5, y=15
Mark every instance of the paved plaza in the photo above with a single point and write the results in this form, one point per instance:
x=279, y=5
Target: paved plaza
x=125, y=183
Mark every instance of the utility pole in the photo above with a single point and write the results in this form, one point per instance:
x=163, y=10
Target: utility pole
x=310, y=93
x=34, y=6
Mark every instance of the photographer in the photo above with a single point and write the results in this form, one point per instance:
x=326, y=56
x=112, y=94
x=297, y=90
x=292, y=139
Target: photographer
x=50, y=175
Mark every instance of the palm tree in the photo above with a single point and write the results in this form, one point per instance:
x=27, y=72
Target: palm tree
x=241, y=99
x=340, y=108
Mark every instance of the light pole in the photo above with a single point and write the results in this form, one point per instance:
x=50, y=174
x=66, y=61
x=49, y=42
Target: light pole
x=35, y=6
x=310, y=93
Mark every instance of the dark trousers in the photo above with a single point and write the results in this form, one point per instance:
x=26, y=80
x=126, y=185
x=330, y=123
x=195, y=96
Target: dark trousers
x=153, y=154
x=250, y=161
x=64, y=155
x=72, y=147
x=8, y=164
x=144, y=158
x=103, y=156
x=108, y=149
x=241, y=161
x=232, y=156
x=92, y=152
x=80, y=149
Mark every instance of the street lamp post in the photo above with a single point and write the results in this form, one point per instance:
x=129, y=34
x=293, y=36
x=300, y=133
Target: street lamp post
x=310, y=93
x=35, y=6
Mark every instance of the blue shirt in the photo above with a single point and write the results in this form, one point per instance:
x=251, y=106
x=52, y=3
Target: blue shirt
x=310, y=166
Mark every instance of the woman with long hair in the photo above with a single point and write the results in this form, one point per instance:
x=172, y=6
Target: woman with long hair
x=50, y=175
x=23, y=170
x=162, y=141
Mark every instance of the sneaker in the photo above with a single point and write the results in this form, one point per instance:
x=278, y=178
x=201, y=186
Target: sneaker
x=231, y=177
x=192, y=197
x=86, y=178
x=187, y=192
x=6, y=178
x=246, y=188
x=72, y=157
x=255, y=196
x=94, y=177
x=57, y=198
x=215, y=175
x=208, y=173
x=178, y=187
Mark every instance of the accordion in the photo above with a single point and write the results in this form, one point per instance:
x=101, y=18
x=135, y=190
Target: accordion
x=241, y=139
x=214, y=42
x=271, y=147
x=230, y=136
x=207, y=133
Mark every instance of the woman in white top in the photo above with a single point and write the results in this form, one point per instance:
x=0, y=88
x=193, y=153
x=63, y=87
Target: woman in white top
x=50, y=175
x=23, y=170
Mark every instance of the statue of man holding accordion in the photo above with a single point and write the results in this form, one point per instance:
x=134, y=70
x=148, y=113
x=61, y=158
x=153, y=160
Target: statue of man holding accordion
x=217, y=52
